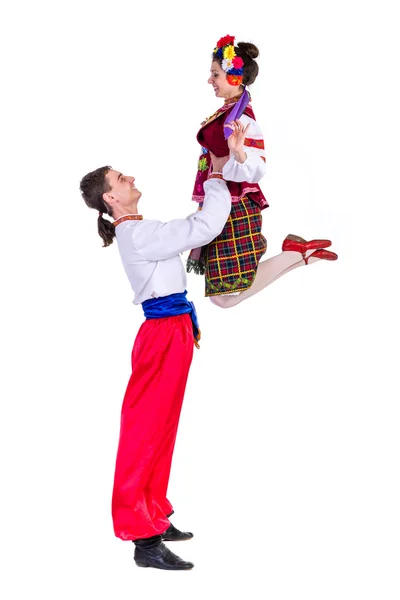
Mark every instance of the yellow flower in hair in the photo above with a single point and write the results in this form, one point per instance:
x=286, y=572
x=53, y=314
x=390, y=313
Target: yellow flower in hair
x=229, y=52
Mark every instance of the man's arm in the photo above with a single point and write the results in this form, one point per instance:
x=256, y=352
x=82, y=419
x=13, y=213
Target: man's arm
x=172, y=238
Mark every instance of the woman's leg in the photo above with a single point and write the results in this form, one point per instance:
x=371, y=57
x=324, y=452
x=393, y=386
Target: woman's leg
x=268, y=271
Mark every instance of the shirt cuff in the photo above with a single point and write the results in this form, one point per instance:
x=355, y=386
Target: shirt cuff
x=216, y=175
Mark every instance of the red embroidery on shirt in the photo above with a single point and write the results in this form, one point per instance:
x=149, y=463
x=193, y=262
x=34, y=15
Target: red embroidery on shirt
x=254, y=143
x=128, y=218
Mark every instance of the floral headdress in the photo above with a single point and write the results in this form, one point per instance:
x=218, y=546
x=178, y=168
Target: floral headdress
x=231, y=63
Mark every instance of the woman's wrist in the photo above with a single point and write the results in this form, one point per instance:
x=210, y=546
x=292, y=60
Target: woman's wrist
x=240, y=156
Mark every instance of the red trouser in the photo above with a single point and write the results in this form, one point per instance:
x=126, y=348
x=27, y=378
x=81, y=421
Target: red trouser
x=161, y=358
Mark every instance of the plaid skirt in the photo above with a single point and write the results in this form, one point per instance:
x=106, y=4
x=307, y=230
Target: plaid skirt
x=232, y=258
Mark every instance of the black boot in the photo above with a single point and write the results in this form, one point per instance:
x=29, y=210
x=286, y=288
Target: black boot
x=174, y=535
x=152, y=552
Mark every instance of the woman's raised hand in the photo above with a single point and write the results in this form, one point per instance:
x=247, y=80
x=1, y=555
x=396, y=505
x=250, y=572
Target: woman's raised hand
x=238, y=135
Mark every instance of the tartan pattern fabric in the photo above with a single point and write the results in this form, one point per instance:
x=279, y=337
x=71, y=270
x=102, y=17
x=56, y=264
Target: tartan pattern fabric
x=232, y=258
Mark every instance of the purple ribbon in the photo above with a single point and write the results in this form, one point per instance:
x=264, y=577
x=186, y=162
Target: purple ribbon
x=236, y=112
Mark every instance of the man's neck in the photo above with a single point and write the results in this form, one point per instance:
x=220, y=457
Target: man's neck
x=120, y=212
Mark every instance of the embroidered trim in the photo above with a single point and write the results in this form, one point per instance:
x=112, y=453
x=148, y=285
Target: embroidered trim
x=223, y=109
x=234, y=99
x=247, y=190
x=252, y=143
x=128, y=218
x=215, y=176
x=229, y=288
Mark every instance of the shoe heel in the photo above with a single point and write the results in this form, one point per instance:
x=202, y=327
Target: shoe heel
x=295, y=238
x=141, y=564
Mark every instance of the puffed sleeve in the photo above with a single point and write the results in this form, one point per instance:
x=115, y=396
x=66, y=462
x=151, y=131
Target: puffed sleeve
x=158, y=241
x=254, y=167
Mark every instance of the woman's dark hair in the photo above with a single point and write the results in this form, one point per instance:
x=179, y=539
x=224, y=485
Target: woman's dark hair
x=247, y=52
x=92, y=187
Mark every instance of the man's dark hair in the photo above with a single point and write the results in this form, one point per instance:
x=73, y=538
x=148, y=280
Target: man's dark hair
x=93, y=186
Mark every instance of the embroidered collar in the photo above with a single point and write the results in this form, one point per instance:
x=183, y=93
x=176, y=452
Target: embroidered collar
x=222, y=109
x=127, y=218
x=232, y=100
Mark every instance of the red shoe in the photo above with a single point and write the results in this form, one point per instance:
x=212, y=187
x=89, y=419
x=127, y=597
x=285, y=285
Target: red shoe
x=298, y=244
x=322, y=254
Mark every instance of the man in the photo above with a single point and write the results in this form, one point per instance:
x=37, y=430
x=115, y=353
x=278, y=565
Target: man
x=162, y=352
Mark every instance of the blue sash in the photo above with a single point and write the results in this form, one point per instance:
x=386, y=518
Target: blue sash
x=170, y=306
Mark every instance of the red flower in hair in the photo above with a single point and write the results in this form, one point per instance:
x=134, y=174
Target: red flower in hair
x=237, y=62
x=224, y=41
x=234, y=79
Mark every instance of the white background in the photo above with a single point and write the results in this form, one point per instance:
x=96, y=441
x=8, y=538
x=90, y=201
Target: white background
x=286, y=464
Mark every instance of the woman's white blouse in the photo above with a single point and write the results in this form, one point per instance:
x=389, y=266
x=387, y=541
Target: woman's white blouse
x=254, y=167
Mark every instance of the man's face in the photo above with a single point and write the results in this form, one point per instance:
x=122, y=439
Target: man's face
x=123, y=188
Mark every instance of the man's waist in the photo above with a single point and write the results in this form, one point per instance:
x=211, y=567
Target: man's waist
x=167, y=306
x=171, y=306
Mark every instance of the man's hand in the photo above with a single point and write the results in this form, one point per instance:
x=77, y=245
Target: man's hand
x=236, y=139
x=218, y=162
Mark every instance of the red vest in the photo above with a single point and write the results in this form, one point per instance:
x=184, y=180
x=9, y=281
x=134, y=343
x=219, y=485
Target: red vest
x=211, y=137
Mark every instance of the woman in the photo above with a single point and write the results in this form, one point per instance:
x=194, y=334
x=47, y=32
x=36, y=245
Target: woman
x=231, y=261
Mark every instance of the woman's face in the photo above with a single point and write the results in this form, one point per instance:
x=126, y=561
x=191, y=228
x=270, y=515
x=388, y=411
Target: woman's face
x=218, y=80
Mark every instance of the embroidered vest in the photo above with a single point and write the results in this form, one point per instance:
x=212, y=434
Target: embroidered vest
x=211, y=138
